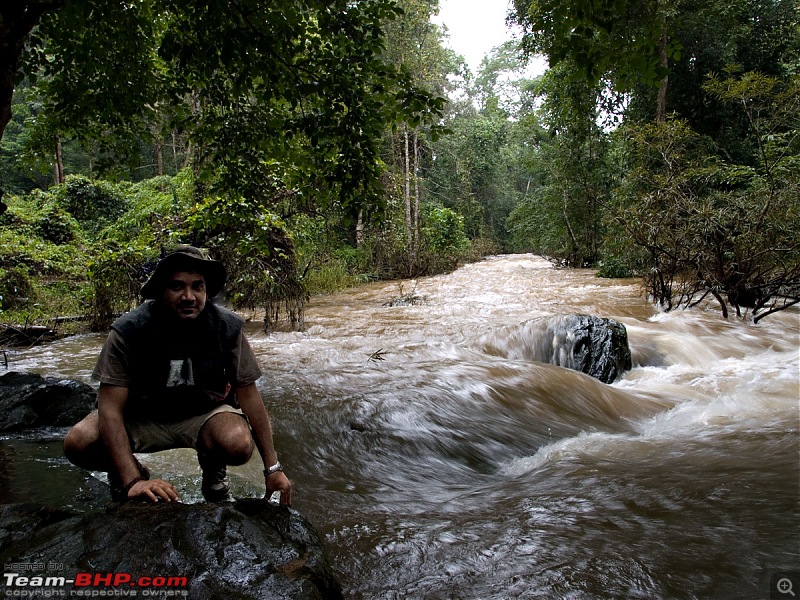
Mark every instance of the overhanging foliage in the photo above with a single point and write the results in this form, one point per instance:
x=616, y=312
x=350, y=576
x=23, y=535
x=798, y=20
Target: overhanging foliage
x=286, y=89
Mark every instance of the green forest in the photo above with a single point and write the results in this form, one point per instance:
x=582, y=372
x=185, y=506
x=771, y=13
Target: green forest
x=316, y=144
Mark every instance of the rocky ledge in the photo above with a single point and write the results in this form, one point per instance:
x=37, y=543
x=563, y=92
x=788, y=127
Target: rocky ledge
x=28, y=400
x=245, y=550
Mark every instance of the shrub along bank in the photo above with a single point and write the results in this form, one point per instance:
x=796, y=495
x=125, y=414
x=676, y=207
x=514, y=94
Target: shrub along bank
x=76, y=255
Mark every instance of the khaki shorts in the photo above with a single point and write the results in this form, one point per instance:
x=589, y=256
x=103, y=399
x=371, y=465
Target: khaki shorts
x=149, y=436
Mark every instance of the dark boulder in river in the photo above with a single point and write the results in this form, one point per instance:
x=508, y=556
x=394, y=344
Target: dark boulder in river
x=245, y=550
x=29, y=400
x=593, y=345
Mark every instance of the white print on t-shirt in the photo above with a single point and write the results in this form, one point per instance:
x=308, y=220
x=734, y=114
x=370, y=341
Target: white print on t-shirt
x=180, y=373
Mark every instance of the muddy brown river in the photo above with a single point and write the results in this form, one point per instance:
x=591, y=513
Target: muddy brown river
x=438, y=462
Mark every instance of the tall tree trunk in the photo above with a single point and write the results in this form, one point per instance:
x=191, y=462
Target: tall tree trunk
x=573, y=238
x=174, y=152
x=415, y=216
x=663, y=61
x=360, y=228
x=58, y=163
x=17, y=19
x=196, y=154
x=157, y=131
x=159, y=157
x=407, y=197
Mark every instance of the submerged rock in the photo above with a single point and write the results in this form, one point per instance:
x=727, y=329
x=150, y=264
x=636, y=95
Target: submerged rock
x=593, y=345
x=246, y=550
x=29, y=400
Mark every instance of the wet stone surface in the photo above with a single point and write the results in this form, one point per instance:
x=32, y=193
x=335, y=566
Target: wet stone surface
x=243, y=550
x=29, y=400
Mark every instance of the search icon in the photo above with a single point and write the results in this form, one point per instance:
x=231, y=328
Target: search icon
x=785, y=586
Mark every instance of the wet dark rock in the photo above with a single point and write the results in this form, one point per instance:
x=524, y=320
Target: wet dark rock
x=246, y=550
x=29, y=400
x=17, y=521
x=593, y=345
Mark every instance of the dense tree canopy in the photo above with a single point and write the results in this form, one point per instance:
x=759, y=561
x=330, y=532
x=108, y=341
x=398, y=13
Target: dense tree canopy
x=286, y=90
x=693, y=202
x=659, y=50
x=596, y=35
x=273, y=103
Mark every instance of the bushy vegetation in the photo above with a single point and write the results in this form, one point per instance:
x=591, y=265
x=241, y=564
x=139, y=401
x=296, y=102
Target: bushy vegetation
x=42, y=261
x=57, y=260
x=72, y=253
x=713, y=227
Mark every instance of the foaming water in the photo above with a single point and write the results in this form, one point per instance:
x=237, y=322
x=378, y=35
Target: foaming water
x=441, y=460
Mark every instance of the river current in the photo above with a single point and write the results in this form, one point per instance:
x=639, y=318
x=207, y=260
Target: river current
x=437, y=461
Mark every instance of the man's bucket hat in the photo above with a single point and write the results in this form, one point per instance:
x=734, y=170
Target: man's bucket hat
x=186, y=258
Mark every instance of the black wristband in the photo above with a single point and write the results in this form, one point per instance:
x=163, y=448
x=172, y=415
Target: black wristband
x=132, y=483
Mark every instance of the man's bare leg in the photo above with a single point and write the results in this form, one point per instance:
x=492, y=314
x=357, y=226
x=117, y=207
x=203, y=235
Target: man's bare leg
x=224, y=439
x=83, y=446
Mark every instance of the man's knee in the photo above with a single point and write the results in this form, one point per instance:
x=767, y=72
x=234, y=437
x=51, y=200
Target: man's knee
x=228, y=435
x=240, y=451
x=82, y=439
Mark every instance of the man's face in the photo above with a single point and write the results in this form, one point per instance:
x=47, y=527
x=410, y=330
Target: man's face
x=185, y=294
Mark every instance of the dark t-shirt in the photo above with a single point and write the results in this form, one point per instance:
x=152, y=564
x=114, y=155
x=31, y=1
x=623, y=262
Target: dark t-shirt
x=113, y=365
x=162, y=375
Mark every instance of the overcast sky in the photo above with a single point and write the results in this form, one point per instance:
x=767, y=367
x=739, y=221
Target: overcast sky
x=474, y=27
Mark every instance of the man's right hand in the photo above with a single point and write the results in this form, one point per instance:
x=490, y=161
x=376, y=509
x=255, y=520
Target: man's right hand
x=154, y=490
x=278, y=482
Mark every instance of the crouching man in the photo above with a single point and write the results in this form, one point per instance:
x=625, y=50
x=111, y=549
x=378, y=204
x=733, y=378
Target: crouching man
x=177, y=372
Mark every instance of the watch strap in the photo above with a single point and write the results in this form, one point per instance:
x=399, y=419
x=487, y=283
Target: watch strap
x=273, y=469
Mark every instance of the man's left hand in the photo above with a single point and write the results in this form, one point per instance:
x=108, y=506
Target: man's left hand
x=154, y=490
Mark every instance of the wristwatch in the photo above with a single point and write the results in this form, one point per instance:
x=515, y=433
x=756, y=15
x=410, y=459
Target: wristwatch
x=273, y=469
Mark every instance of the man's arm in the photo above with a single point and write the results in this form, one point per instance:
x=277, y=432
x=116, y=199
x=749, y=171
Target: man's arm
x=253, y=407
x=111, y=400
